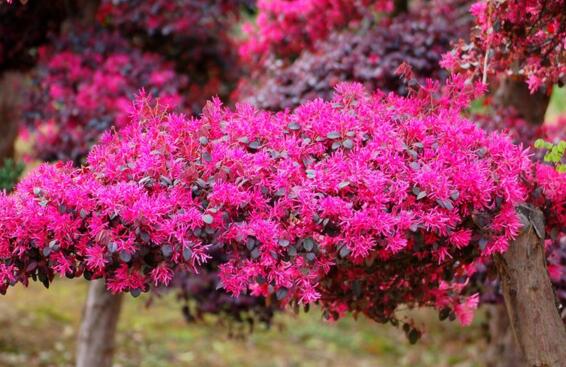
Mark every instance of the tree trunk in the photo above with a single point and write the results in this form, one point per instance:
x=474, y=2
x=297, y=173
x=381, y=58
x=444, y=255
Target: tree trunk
x=10, y=95
x=502, y=350
x=529, y=297
x=515, y=93
x=98, y=328
x=400, y=7
x=87, y=11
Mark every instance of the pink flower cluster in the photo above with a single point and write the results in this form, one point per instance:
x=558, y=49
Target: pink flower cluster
x=525, y=38
x=285, y=27
x=362, y=203
x=84, y=84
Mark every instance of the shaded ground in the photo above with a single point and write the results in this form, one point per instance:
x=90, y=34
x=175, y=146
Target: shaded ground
x=39, y=328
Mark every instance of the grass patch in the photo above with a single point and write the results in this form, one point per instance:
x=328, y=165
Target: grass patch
x=39, y=330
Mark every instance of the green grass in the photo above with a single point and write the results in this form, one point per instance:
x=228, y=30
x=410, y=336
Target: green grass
x=39, y=329
x=557, y=105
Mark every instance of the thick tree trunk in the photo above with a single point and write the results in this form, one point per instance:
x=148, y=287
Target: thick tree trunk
x=10, y=94
x=529, y=297
x=400, y=7
x=98, y=328
x=88, y=10
x=515, y=93
x=502, y=350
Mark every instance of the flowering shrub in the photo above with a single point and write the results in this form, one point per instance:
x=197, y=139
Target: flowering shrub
x=524, y=38
x=83, y=84
x=194, y=34
x=362, y=203
x=546, y=193
x=370, y=55
x=285, y=27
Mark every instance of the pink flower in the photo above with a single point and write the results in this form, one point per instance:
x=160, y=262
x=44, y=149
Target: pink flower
x=161, y=275
x=95, y=259
x=461, y=238
x=465, y=310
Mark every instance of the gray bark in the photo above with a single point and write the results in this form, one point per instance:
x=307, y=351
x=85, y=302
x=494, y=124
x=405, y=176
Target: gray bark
x=95, y=347
x=502, y=350
x=529, y=298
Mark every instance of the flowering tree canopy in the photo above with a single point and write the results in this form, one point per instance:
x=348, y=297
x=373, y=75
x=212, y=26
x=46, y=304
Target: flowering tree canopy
x=362, y=203
x=524, y=38
x=84, y=81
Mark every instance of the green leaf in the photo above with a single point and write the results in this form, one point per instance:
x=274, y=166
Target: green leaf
x=281, y=293
x=539, y=143
x=344, y=251
x=294, y=126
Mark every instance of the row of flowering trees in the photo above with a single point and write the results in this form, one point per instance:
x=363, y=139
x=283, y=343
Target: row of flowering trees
x=89, y=60
x=359, y=204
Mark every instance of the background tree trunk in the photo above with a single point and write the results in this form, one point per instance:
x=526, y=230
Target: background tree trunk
x=400, y=7
x=98, y=327
x=11, y=84
x=502, y=350
x=529, y=297
x=515, y=93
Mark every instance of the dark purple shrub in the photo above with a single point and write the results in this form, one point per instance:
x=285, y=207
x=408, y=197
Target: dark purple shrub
x=370, y=54
x=24, y=27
